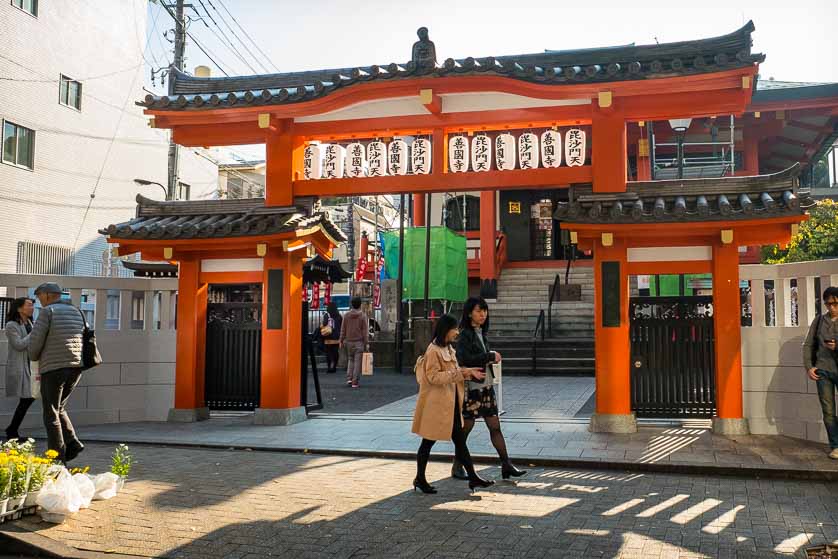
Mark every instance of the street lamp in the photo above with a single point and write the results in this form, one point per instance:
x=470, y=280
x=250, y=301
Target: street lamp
x=680, y=126
x=143, y=182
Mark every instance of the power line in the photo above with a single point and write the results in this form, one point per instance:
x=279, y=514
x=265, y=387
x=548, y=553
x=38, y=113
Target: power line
x=246, y=34
x=233, y=32
x=197, y=44
x=223, y=37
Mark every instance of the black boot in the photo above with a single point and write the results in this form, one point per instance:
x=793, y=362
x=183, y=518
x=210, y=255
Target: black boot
x=12, y=435
x=458, y=471
x=507, y=470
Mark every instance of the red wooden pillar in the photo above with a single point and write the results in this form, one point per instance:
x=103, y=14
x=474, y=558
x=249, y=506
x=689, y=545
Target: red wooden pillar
x=418, y=210
x=488, y=266
x=281, y=341
x=608, y=151
x=191, y=338
x=728, y=335
x=283, y=158
x=612, y=349
x=751, y=155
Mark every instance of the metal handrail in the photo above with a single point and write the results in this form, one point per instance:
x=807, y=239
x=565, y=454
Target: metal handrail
x=554, y=296
x=539, y=327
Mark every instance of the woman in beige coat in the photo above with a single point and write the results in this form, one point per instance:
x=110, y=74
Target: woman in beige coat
x=438, y=416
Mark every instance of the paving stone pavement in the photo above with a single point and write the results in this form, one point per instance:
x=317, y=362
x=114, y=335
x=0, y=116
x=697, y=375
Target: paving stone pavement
x=212, y=503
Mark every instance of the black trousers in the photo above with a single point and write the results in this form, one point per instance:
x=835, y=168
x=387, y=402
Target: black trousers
x=458, y=437
x=332, y=353
x=56, y=387
x=22, y=407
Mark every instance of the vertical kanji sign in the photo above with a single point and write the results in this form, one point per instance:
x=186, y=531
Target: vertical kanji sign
x=458, y=154
x=575, y=147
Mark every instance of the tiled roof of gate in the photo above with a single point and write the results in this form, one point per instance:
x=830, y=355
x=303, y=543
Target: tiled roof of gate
x=567, y=67
x=219, y=219
x=684, y=200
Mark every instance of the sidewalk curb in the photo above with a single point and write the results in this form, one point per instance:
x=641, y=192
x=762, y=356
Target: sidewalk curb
x=18, y=541
x=734, y=470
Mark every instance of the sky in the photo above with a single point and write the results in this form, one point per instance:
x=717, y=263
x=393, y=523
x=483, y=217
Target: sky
x=799, y=39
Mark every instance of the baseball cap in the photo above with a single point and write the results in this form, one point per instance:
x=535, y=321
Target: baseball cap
x=48, y=287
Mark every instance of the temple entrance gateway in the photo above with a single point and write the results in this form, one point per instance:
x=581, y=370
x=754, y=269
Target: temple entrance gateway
x=234, y=347
x=672, y=357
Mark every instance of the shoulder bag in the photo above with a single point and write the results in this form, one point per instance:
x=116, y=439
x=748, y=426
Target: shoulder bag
x=90, y=356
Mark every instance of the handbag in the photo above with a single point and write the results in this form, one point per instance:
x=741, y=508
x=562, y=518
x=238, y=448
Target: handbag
x=326, y=331
x=90, y=356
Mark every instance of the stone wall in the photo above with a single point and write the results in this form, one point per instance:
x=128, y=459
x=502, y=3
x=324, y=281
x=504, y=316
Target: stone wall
x=136, y=380
x=779, y=399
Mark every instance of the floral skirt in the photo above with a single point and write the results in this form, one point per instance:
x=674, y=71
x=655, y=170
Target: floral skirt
x=480, y=402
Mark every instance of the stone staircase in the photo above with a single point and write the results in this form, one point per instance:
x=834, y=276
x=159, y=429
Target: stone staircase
x=522, y=294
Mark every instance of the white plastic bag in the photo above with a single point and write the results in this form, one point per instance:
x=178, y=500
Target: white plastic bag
x=60, y=495
x=106, y=486
x=86, y=489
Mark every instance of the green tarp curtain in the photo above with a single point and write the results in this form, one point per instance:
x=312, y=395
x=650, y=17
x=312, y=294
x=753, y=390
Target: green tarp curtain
x=449, y=268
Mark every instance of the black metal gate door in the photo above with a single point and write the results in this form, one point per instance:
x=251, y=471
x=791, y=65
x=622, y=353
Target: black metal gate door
x=672, y=357
x=234, y=356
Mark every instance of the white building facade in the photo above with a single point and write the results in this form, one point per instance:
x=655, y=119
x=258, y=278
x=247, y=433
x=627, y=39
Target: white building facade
x=73, y=138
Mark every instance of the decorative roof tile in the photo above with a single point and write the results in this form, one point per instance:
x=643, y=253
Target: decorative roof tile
x=219, y=219
x=609, y=64
x=680, y=200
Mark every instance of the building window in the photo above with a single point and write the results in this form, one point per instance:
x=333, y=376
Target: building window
x=240, y=187
x=69, y=93
x=44, y=258
x=456, y=210
x=18, y=145
x=183, y=191
x=28, y=6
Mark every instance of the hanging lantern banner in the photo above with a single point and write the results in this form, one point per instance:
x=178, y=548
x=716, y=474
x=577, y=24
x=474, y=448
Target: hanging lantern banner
x=361, y=270
x=377, y=159
x=312, y=162
x=315, y=295
x=574, y=146
x=505, y=152
x=333, y=161
x=528, y=151
x=327, y=293
x=421, y=156
x=481, y=154
x=397, y=157
x=551, y=149
x=356, y=160
x=458, y=154
x=306, y=297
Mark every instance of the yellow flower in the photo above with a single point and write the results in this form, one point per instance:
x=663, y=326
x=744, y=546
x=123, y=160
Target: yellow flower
x=51, y=454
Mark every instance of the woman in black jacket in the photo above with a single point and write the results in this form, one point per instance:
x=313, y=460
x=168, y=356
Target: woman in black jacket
x=473, y=350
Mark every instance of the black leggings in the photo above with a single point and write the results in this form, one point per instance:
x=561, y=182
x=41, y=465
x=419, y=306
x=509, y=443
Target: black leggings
x=458, y=437
x=332, y=356
x=22, y=407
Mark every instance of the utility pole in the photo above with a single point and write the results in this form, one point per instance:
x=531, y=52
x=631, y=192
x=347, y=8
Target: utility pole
x=180, y=47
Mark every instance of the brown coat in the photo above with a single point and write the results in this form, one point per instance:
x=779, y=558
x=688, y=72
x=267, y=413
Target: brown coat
x=440, y=382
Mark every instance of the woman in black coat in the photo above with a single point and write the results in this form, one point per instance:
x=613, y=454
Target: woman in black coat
x=330, y=332
x=473, y=350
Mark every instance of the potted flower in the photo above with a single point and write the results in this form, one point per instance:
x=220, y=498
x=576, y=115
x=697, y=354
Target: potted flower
x=5, y=482
x=17, y=486
x=121, y=462
x=38, y=468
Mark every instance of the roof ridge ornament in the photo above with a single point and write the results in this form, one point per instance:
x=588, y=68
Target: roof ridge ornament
x=424, y=51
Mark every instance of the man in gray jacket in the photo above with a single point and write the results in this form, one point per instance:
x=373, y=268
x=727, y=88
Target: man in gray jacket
x=56, y=343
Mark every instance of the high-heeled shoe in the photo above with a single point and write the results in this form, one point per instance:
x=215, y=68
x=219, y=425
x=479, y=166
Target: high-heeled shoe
x=478, y=482
x=507, y=470
x=423, y=486
x=458, y=471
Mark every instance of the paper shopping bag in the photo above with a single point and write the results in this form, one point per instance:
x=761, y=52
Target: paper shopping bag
x=35, y=380
x=366, y=364
x=496, y=373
